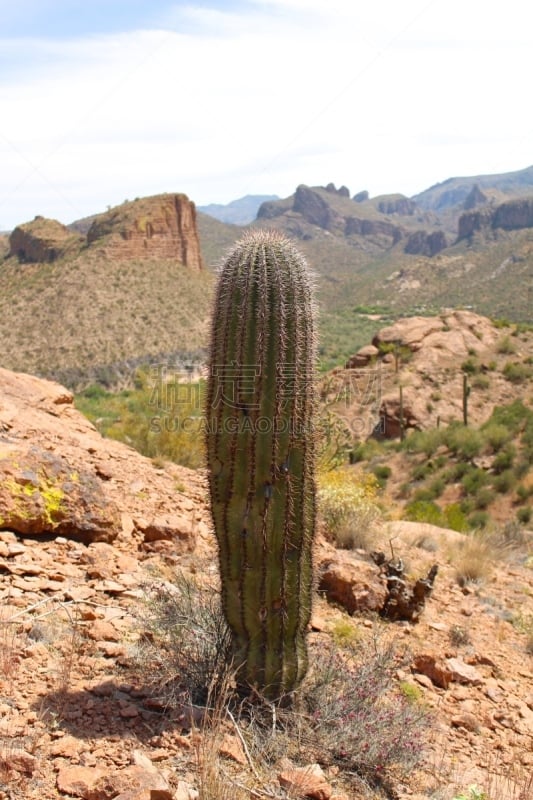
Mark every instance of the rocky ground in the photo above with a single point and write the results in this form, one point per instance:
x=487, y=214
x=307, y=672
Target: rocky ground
x=87, y=524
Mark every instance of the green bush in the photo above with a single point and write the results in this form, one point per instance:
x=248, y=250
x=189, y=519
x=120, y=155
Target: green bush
x=516, y=372
x=524, y=514
x=382, y=473
x=470, y=366
x=495, y=435
x=506, y=346
x=463, y=442
x=504, y=459
x=426, y=442
x=473, y=480
x=484, y=497
x=424, y=511
x=455, y=518
x=514, y=416
x=505, y=481
x=479, y=519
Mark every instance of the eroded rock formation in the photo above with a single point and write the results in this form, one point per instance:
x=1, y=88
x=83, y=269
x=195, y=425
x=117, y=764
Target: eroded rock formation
x=42, y=241
x=162, y=227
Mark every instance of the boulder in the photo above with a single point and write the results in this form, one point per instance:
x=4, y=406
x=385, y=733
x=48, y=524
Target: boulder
x=354, y=584
x=59, y=476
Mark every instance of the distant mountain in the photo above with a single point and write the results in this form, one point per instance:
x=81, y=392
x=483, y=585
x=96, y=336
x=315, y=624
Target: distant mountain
x=238, y=212
x=92, y=300
x=454, y=191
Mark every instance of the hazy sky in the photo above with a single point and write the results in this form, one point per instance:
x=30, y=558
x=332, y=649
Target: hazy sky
x=107, y=100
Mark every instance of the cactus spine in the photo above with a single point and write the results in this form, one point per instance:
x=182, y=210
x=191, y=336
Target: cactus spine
x=260, y=451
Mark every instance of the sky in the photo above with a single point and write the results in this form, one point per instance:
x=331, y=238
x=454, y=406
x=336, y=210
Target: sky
x=107, y=100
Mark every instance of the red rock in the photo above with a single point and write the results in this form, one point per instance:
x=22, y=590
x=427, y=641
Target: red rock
x=101, y=630
x=465, y=720
x=231, y=747
x=18, y=761
x=353, y=583
x=434, y=668
x=81, y=782
x=306, y=782
x=463, y=673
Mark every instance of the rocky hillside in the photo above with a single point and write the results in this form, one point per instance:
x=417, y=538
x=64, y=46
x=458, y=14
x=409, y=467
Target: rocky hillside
x=90, y=530
x=92, y=306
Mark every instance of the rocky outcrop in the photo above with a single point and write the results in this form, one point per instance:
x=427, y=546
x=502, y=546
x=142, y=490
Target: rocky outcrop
x=425, y=244
x=513, y=215
x=42, y=241
x=473, y=221
x=475, y=198
x=371, y=227
x=397, y=204
x=425, y=350
x=360, y=197
x=316, y=210
x=342, y=192
x=59, y=476
x=160, y=227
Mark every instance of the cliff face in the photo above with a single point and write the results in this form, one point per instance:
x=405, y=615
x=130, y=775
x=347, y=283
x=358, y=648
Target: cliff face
x=509, y=216
x=426, y=244
x=42, y=240
x=160, y=227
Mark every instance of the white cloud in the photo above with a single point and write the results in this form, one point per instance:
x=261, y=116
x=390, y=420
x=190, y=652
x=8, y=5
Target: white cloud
x=385, y=96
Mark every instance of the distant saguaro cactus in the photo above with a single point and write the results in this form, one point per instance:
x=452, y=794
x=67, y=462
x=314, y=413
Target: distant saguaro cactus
x=260, y=451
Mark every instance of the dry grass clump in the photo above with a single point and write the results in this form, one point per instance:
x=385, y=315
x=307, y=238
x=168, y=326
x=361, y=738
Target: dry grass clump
x=184, y=646
x=473, y=558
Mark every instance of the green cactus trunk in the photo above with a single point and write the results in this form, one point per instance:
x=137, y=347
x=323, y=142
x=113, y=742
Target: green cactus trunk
x=260, y=450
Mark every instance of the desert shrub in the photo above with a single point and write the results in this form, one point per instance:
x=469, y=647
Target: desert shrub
x=505, y=481
x=365, y=451
x=431, y=492
x=496, y=435
x=515, y=372
x=184, y=642
x=524, y=514
x=382, y=473
x=421, y=471
x=356, y=716
x=459, y=636
x=523, y=492
x=423, y=511
x=455, y=518
x=504, y=459
x=426, y=442
x=478, y=520
x=506, y=346
x=470, y=366
x=458, y=471
x=347, y=502
x=514, y=416
x=473, y=480
x=462, y=441
x=484, y=497
x=472, y=558
x=427, y=511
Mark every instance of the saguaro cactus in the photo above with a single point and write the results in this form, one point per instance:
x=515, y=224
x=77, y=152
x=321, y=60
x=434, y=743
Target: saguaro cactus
x=260, y=450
